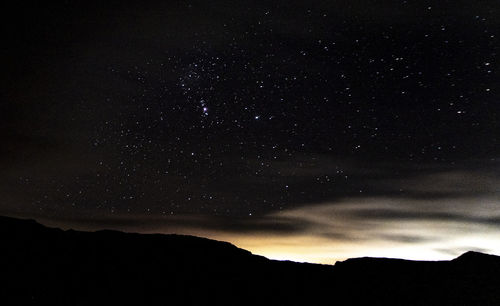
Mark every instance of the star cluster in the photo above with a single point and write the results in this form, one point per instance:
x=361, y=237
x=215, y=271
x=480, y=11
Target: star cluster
x=241, y=110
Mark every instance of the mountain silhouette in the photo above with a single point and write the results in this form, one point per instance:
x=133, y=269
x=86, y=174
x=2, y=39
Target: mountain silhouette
x=49, y=266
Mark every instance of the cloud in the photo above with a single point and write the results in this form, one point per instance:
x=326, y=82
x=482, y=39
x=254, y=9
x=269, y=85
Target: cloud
x=380, y=227
x=464, y=215
x=429, y=211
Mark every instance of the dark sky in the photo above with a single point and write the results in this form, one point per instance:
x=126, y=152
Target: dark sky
x=358, y=125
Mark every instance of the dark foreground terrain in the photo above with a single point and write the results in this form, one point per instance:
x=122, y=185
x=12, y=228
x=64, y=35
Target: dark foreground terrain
x=41, y=265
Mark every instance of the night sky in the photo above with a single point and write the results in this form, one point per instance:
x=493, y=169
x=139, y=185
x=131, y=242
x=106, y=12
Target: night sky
x=304, y=130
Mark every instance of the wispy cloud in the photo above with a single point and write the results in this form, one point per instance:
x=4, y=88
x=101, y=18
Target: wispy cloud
x=431, y=212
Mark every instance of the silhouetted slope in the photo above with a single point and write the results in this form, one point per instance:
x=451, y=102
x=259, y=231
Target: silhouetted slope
x=49, y=266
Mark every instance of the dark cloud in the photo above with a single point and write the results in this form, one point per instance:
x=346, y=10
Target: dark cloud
x=387, y=214
x=406, y=238
x=145, y=223
x=280, y=184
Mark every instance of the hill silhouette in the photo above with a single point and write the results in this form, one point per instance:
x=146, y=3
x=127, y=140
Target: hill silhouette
x=43, y=265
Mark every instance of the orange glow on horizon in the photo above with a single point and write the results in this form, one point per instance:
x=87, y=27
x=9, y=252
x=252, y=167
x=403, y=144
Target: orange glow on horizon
x=329, y=232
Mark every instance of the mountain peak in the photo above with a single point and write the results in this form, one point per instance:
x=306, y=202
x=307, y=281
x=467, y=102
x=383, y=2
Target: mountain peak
x=474, y=256
x=123, y=268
